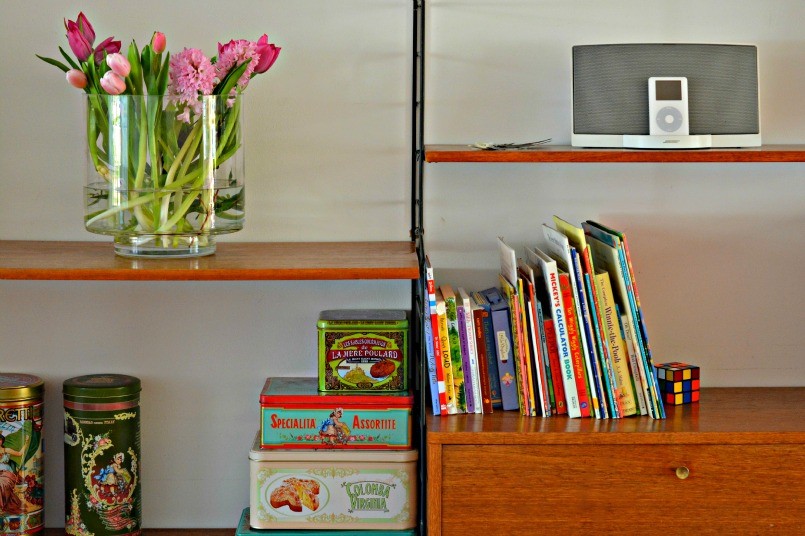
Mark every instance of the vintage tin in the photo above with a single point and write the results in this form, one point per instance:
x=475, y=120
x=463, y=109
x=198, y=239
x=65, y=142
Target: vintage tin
x=21, y=457
x=102, y=455
x=295, y=415
x=363, y=350
x=332, y=489
x=245, y=529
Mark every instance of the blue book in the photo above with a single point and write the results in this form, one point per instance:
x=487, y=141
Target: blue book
x=504, y=347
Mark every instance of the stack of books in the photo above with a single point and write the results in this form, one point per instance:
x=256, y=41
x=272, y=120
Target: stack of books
x=562, y=332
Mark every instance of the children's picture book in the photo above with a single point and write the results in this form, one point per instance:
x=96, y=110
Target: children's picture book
x=484, y=315
x=546, y=267
x=447, y=361
x=454, y=340
x=430, y=332
x=474, y=380
x=501, y=326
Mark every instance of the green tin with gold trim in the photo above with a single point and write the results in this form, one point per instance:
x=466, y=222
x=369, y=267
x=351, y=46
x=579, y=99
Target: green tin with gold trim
x=102, y=455
x=22, y=484
x=363, y=350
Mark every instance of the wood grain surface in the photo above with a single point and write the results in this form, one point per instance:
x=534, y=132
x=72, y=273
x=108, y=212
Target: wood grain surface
x=232, y=261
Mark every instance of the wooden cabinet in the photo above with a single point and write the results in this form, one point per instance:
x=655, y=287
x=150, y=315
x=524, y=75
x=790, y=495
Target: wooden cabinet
x=732, y=463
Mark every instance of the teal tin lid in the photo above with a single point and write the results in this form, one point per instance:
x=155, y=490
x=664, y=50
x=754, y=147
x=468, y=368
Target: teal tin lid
x=245, y=529
x=358, y=318
x=101, y=388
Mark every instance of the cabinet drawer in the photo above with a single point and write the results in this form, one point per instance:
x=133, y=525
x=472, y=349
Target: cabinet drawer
x=512, y=489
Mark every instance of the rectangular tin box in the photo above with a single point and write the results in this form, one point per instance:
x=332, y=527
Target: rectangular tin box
x=295, y=415
x=363, y=350
x=245, y=529
x=332, y=489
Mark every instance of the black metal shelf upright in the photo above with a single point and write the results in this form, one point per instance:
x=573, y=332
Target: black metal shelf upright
x=418, y=291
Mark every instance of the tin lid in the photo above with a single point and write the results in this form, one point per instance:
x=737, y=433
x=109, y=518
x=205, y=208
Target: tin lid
x=326, y=455
x=304, y=391
x=107, y=387
x=356, y=318
x=19, y=387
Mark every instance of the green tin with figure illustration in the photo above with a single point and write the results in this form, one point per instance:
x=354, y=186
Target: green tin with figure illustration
x=363, y=350
x=102, y=455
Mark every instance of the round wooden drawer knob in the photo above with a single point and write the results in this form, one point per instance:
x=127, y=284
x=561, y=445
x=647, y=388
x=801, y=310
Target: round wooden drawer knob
x=682, y=472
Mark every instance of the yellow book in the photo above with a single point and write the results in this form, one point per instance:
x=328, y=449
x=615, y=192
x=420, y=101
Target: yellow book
x=444, y=341
x=623, y=390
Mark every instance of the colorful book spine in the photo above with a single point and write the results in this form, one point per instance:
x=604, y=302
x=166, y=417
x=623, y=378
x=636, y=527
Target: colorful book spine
x=510, y=294
x=427, y=336
x=556, y=367
x=491, y=353
x=466, y=361
x=577, y=359
x=456, y=359
x=623, y=390
x=478, y=315
x=431, y=328
x=501, y=326
x=447, y=361
x=546, y=363
x=466, y=303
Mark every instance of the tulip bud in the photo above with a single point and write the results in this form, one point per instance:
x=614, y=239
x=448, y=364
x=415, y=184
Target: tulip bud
x=268, y=54
x=158, y=42
x=119, y=64
x=77, y=78
x=113, y=84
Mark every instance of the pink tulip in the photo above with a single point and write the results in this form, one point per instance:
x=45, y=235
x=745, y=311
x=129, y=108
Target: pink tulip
x=158, y=42
x=119, y=64
x=107, y=46
x=113, y=83
x=77, y=78
x=268, y=54
x=80, y=36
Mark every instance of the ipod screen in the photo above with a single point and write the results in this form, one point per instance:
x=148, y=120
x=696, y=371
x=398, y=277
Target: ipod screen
x=668, y=89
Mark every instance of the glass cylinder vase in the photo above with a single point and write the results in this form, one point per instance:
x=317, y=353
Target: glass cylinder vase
x=164, y=180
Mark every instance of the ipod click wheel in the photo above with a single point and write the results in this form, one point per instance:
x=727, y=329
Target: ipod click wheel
x=668, y=106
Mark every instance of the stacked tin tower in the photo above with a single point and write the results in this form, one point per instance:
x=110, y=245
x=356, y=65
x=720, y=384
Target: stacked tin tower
x=333, y=454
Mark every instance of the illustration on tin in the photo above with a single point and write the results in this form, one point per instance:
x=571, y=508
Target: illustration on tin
x=333, y=431
x=362, y=361
x=110, y=479
x=21, y=486
x=296, y=493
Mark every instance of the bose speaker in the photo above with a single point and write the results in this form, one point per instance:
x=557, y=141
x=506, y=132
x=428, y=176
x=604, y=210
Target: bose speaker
x=616, y=103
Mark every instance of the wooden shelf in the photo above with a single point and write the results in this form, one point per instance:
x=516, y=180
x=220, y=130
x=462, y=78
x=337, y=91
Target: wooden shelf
x=567, y=154
x=752, y=415
x=232, y=261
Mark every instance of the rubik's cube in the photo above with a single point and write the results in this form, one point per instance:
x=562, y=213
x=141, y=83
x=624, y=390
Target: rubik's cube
x=678, y=383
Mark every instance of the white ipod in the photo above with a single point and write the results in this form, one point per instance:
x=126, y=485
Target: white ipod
x=668, y=106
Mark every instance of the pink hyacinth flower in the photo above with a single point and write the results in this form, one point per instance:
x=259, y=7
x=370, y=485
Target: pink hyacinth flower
x=80, y=36
x=77, y=78
x=268, y=54
x=107, y=46
x=119, y=64
x=113, y=83
x=158, y=42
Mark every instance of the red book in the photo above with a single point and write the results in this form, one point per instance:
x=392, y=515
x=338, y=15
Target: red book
x=575, y=344
x=556, y=370
x=478, y=314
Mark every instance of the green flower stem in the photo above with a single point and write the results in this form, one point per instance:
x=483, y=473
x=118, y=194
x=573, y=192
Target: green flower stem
x=123, y=206
x=231, y=121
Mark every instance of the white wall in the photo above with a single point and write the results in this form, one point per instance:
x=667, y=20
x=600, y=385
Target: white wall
x=716, y=247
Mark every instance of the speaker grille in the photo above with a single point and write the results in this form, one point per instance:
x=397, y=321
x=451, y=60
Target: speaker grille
x=610, y=86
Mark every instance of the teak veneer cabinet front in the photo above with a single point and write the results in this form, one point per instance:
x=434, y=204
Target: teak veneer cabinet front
x=732, y=464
